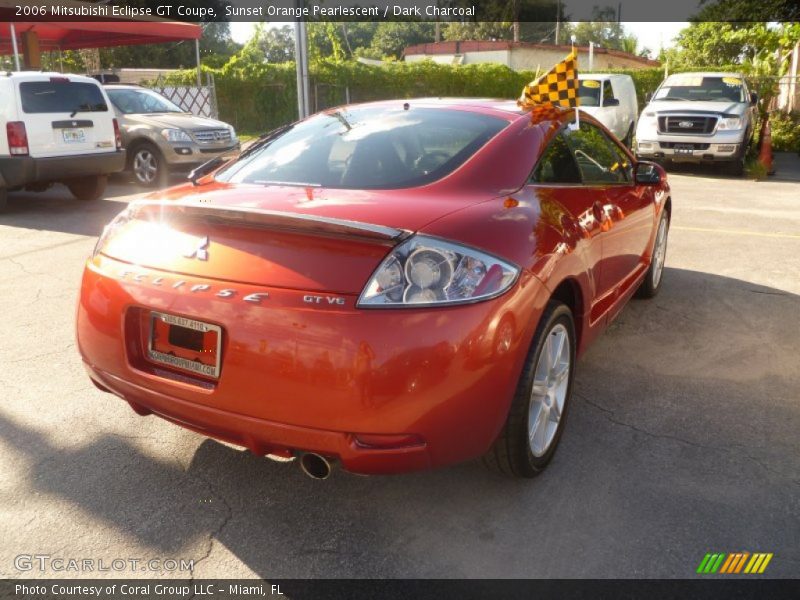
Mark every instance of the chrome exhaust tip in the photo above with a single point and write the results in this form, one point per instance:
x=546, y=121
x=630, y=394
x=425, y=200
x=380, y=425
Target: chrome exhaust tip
x=315, y=466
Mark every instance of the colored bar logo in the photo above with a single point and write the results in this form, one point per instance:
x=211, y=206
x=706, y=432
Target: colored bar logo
x=734, y=563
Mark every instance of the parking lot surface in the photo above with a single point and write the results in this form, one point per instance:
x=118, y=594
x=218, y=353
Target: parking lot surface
x=682, y=437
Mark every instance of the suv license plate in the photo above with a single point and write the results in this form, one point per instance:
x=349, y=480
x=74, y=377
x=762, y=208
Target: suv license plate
x=73, y=136
x=185, y=344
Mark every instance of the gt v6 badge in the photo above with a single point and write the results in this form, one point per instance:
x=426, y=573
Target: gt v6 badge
x=320, y=300
x=199, y=250
x=175, y=284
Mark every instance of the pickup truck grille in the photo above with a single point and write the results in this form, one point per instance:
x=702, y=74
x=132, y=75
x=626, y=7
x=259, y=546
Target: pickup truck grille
x=211, y=136
x=687, y=124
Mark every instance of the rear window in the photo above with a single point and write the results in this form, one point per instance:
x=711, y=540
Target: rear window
x=61, y=97
x=363, y=148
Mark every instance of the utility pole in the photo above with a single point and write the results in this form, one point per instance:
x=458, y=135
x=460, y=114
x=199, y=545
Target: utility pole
x=558, y=19
x=301, y=66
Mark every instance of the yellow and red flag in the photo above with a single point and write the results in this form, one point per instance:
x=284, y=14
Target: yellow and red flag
x=557, y=87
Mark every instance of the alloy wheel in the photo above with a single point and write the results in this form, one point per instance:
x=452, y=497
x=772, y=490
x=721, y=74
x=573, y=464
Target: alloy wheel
x=659, y=252
x=549, y=390
x=145, y=166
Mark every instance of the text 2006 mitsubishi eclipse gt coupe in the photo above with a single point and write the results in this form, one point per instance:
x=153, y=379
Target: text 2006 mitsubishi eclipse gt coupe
x=385, y=286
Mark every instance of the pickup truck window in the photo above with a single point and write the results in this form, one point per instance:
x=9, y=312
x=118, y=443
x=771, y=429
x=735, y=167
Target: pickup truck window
x=702, y=88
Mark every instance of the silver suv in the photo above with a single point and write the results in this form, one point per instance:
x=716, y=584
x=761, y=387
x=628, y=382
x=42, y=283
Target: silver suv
x=698, y=117
x=160, y=136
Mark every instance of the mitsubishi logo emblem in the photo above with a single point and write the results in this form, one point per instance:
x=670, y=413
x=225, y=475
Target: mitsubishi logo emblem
x=200, y=249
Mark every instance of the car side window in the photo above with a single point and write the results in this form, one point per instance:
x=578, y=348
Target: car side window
x=557, y=164
x=599, y=159
x=608, y=91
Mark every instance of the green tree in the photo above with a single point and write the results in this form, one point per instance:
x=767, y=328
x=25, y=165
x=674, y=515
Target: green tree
x=603, y=30
x=393, y=37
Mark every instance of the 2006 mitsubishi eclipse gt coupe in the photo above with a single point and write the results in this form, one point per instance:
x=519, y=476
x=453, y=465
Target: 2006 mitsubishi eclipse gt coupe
x=388, y=287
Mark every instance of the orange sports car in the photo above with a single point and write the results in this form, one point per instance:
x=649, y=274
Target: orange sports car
x=388, y=287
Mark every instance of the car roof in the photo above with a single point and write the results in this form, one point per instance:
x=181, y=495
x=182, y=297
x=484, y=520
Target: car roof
x=46, y=75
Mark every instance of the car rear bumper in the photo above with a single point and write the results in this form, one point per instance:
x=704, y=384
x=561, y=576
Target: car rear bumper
x=296, y=378
x=17, y=171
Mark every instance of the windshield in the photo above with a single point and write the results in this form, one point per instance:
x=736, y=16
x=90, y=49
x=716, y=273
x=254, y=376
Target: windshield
x=362, y=148
x=589, y=92
x=701, y=88
x=141, y=102
x=61, y=96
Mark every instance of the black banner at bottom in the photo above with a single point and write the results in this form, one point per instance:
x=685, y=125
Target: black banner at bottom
x=389, y=589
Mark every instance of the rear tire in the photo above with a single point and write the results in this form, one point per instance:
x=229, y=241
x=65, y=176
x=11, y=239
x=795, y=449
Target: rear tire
x=147, y=165
x=628, y=140
x=538, y=412
x=88, y=189
x=3, y=199
x=654, y=276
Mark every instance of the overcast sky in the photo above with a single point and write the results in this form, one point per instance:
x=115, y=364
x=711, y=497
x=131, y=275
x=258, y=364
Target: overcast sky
x=650, y=35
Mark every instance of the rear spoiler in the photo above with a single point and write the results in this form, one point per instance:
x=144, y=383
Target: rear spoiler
x=270, y=219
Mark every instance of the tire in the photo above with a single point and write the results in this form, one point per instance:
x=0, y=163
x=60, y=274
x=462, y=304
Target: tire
x=515, y=452
x=147, y=165
x=735, y=168
x=654, y=276
x=3, y=199
x=628, y=139
x=88, y=189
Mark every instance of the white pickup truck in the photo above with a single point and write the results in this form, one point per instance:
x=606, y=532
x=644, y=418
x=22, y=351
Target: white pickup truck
x=698, y=118
x=611, y=99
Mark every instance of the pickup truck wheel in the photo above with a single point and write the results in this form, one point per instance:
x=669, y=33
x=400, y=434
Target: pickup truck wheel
x=538, y=411
x=652, y=280
x=3, y=199
x=88, y=188
x=147, y=165
x=736, y=167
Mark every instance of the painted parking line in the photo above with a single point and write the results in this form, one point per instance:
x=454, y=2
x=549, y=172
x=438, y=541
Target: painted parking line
x=789, y=236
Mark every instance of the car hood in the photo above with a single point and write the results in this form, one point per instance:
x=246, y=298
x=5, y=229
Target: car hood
x=177, y=120
x=734, y=108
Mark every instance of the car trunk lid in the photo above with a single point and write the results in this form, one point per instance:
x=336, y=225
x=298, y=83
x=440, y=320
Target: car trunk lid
x=280, y=236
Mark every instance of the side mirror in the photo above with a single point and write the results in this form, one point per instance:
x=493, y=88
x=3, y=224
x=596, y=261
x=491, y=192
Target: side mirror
x=648, y=96
x=611, y=102
x=647, y=173
x=753, y=98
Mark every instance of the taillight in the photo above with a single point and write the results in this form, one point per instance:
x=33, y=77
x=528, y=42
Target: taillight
x=117, y=134
x=17, y=138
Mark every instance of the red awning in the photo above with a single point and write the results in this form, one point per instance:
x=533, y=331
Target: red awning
x=71, y=35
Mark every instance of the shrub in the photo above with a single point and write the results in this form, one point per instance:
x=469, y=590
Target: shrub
x=785, y=131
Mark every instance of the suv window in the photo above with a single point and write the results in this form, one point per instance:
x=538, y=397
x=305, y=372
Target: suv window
x=557, y=165
x=61, y=97
x=362, y=148
x=141, y=102
x=589, y=92
x=599, y=159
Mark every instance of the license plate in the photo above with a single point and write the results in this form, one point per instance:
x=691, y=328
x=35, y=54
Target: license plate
x=73, y=136
x=684, y=149
x=185, y=344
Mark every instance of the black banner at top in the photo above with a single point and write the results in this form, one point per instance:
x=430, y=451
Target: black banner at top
x=402, y=10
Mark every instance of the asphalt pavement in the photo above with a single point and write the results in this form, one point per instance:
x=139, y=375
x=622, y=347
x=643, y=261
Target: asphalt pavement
x=682, y=439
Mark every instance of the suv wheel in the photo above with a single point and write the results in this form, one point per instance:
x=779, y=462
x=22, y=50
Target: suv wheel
x=147, y=165
x=88, y=188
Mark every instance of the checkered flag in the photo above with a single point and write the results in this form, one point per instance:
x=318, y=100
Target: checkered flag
x=558, y=87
